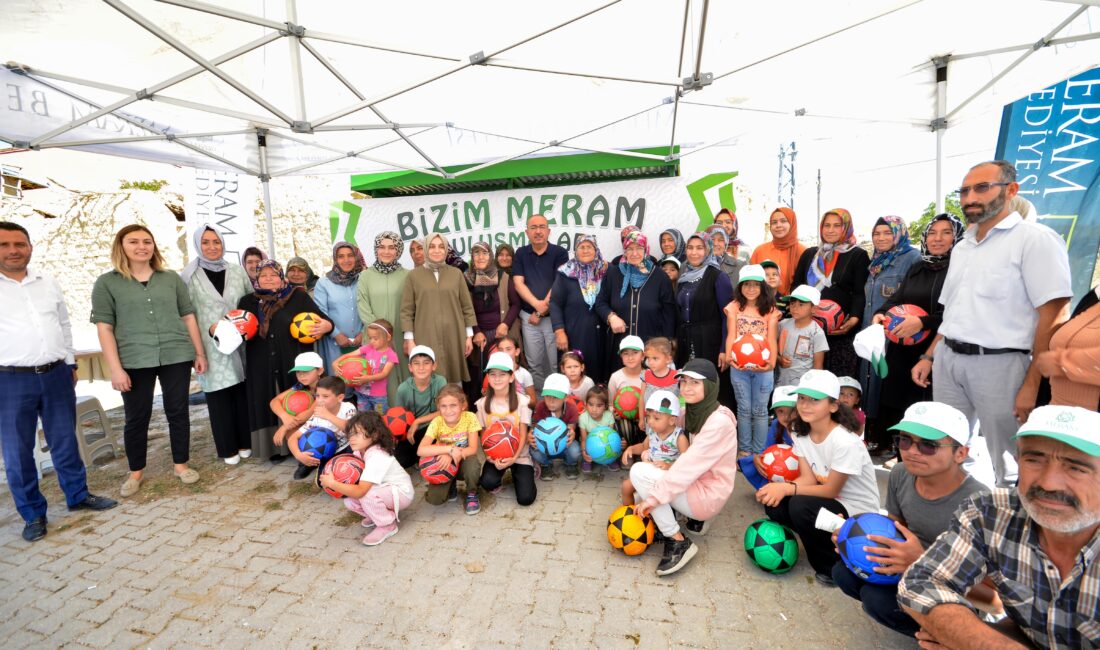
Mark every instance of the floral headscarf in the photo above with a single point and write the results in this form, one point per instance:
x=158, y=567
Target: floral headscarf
x=733, y=241
x=937, y=262
x=487, y=280
x=381, y=267
x=678, y=243
x=436, y=266
x=901, y=244
x=338, y=275
x=821, y=268
x=634, y=277
x=588, y=276
x=200, y=260
x=271, y=301
x=689, y=273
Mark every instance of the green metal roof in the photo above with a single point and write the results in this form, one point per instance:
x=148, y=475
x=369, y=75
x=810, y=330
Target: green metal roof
x=535, y=171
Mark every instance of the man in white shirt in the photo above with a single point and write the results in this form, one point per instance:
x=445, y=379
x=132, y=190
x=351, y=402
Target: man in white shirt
x=37, y=375
x=1007, y=288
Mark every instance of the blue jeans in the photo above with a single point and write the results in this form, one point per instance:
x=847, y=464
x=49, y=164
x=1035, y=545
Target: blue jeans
x=753, y=391
x=571, y=455
x=28, y=396
x=879, y=601
x=366, y=403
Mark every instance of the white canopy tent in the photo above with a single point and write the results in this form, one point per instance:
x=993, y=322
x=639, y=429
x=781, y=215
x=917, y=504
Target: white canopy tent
x=280, y=88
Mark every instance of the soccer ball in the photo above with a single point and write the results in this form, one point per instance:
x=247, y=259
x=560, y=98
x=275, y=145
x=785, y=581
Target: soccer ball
x=829, y=316
x=576, y=401
x=780, y=463
x=302, y=324
x=626, y=403
x=346, y=469
x=438, y=470
x=499, y=440
x=318, y=442
x=629, y=532
x=771, y=546
x=852, y=537
x=750, y=350
x=895, y=315
x=244, y=321
x=399, y=420
x=551, y=436
x=604, y=445
x=297, y=402
x=352, y=368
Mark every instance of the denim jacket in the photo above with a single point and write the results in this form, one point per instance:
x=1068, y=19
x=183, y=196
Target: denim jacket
x=880, y=287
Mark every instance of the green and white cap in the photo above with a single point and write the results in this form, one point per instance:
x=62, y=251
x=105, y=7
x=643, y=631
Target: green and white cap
x=307, y=361
x=784, y=396
x=500, y=361
x=818, y=384
x=751, y=272
x=664, y=401
x=670, y=259
x=556, y=385
x=631, y=343
x=850, y=382
x=769, y=264
x=935, y=421
x=806, y=293
x=422, y=350
x=1077, y=427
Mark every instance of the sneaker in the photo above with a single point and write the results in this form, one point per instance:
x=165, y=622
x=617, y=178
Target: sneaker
x=614, y=466
x=232, y=460
x=94, y=502
x=302, y=472
x=677, y=555
x=473, y=505
x=697, y=527
x=367, y=523
x=825, y=579
x=379, y=535
x=35, y=529
x=244, y=453
x=546, y=473
x=572, y=472
x=586, y=467
x=452, y=494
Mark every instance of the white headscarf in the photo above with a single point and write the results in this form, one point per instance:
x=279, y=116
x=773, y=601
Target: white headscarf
x=200, y=260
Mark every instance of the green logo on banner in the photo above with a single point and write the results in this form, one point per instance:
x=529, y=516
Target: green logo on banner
x=343, y=216
x=697, y=192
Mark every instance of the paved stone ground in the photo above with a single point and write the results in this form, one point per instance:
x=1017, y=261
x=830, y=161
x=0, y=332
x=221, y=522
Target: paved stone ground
x=248, y=557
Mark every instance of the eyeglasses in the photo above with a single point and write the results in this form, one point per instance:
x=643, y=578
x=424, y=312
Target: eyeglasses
x=978, y=188
x=925, y=447
x=539, y=227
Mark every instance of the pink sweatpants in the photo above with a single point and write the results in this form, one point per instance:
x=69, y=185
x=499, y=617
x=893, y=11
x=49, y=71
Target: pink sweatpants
x=381, y=505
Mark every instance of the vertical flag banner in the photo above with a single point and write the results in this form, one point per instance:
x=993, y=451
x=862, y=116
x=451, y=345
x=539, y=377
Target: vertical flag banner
x=227, y=201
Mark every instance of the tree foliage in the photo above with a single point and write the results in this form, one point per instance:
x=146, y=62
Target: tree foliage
x=950, y=204
x=152, y=186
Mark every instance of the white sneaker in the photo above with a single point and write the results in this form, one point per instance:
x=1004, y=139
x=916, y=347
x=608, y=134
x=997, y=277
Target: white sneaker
x=245, y=453
x=233, y=460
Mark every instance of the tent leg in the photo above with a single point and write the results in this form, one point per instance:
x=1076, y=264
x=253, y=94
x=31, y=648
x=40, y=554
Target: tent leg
x=265, y=179
x=939, y=125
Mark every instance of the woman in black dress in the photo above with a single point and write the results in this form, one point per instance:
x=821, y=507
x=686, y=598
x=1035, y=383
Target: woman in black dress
x=701, y=293
x=575, y=322
x=496, y=308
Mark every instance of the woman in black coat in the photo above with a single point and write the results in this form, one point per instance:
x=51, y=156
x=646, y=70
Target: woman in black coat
x=576, y=324
x=702, y=292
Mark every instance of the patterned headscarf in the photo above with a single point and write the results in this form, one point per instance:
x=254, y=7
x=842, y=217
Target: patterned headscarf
x=271, y=301
x=588, y=276
x=428, y=263
x=487, y=280
x=937, y=262
x=733, y=240
x=689, y=273
x=715, y=231
x=821, y=268
x=678, y=243
x=338, y=275
x=381, y=267
x=200, y=260
x=901, y=244
x=634, y=277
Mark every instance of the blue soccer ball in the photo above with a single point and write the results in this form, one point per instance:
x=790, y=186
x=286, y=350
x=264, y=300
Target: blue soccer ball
x=551, y=436
x=318, y=442
x=604, y=445
x=851, y=539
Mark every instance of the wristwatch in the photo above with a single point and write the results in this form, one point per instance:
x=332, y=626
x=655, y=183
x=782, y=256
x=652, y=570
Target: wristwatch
x=925, y=357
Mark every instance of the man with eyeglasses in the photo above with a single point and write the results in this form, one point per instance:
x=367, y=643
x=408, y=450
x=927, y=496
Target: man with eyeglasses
x=923, y=493
x=534, y=268
x=1039, y=542
x=1007, y=288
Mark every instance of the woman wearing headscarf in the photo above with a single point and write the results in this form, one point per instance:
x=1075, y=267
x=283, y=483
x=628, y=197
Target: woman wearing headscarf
x=335, y=294
x=496, y=309
x=728, y=222
x=576, y=324
x=270, y=354
x=672, y=244
x=783, y=248
x=700, y=482
x=504, y=255
x=250, y=259
x=379, y=296
x=921, y=287
x=300, y=274
x=702, y=292
x=837, y=267
x=636, y=297
x=215, y=287
x=726, y=263
x=436, y=311
x=892, y=260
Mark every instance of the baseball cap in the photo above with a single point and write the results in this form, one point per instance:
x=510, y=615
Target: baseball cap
x=701, y=369
x=751, y=272
x=1077, y=427
x=806, y=293
x=500, y=361
x=422, y=349
x=850, y=382
x=664, y=401
x=784, y=396
x=556, y=385
x=631, y=343
x=935, y=421
x=769, y=264
x=307, y=361
x=670, y=259
x=818, y=384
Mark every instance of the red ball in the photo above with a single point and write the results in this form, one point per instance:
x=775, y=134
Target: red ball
x=244, y=321
x=780, y=463
x=829, y=316
x=575, y=401
x=499, y=440
x=297, y=401
x=626, y=402
x=895, y=315
x=438, y=470
x=346, y=469
x=750, y=350
x=352, y=368
x=399, y=420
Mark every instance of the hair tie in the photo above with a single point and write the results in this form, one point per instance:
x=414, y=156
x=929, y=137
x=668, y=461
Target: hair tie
x=381, y=327
x=578, y=353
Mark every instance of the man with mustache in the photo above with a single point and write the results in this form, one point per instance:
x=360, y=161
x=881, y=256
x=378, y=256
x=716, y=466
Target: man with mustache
x=1007, y=287
x=1039, y=542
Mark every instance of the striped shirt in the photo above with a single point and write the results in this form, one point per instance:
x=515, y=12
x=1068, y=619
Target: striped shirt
x=992, y=535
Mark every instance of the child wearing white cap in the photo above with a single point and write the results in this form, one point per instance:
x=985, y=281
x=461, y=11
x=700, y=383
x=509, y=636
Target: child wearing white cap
x=665, y=441
x=783, y=403
x=802, y=342
x=631, y=351
x=418, y=394
x=835, y=471
x=308, y=368
x=851, y=395
x=504, y=402
x=553, y=404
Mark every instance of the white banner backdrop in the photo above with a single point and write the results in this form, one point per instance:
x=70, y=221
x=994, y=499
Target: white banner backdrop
x=499, y=217
x=226, y=201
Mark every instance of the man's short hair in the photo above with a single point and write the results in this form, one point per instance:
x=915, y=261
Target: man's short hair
x=540, y=216
x=1007, y=169
x=14, y=227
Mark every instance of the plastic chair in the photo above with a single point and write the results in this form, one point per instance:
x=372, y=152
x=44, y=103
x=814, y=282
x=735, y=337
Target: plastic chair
x=90, y=444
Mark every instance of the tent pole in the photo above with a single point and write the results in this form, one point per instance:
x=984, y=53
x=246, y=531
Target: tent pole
x=265, y=180
x=939, y=125
x=297, y=84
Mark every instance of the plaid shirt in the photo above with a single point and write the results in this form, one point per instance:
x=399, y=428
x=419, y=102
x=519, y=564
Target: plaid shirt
x=993, y=536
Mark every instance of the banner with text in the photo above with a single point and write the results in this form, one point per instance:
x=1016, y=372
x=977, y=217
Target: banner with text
x=1051, y=137
x=226, y=201
x=499, y=217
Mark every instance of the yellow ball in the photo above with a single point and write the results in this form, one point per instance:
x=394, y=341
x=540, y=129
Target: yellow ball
x=629, y=532
x=302, y=324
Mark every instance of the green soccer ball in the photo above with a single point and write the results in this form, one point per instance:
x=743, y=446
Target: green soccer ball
x=771, y=546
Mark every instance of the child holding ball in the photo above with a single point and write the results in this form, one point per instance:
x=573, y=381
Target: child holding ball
x=503, y=402
x=370, y=387
x=783, y=405
x=665, y=440
x=454, y=433
x=752, y=311
x=329, y=411
x=596, y=414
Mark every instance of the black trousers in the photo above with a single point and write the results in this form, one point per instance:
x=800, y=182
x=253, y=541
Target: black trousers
x=228, y=409
x=137, y=403
x=523, y=479
x=799, y=513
